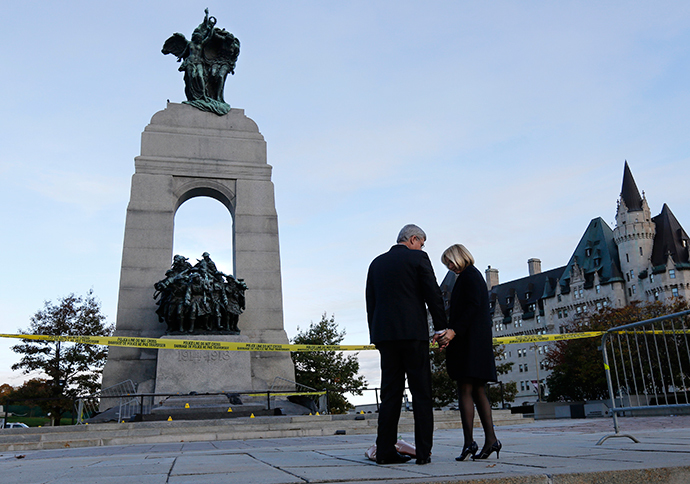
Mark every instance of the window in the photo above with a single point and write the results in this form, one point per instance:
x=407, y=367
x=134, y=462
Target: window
x=627, y=276
x=565, y=313
x=521, y=370
x=542, y=366
x=581, y=292
x=656, y=295
x=633, y=289
x=632, y=274
x=599, y=305
x=674, y=291
x=627, y=258
x=579, y=310
x=651, y=278
x=560, y=314
x=629, y=292
x=598, y=288
x=606, y=303
x=508, y=300
x=672, y=273
x=559, y=298
x=588, y=252
x=525, y=367
x=522, y=386
x=640, y=251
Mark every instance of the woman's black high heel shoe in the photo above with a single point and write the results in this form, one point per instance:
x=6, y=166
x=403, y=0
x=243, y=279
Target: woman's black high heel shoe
x=495, y=447
x=469, y=450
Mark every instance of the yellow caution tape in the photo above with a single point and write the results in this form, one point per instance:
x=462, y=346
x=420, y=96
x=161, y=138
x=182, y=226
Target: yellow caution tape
x=540, y=338
x=182, y=344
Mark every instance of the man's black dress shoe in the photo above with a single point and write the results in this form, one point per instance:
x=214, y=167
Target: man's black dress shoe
x=396, y=458
x=421, y=462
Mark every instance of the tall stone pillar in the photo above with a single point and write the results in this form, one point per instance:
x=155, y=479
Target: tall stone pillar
x=187, y=153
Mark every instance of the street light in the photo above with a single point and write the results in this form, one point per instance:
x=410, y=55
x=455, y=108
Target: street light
x=536, y=365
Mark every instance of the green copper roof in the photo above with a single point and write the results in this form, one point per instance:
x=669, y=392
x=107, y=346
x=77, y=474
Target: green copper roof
x=595, y=253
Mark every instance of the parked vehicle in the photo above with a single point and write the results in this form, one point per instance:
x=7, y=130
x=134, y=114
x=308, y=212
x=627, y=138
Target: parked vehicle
x=16, y=425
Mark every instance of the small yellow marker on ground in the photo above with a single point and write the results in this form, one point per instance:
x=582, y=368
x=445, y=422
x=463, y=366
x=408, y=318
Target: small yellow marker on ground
x=229, y=409
x=361, y=412
x=186, y=405
x=169, y=419
x=251, y=416
x=317, y=413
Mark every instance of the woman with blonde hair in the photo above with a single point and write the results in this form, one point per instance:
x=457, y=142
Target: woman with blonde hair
x=469, y=349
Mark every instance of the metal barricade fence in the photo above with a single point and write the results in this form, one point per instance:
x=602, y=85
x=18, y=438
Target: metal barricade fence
x=647, y=367
x=89, y=405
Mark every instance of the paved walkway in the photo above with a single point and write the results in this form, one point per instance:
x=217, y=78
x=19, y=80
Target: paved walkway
x=552, y=451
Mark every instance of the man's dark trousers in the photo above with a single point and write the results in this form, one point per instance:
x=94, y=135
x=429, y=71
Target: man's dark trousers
x=398, y=358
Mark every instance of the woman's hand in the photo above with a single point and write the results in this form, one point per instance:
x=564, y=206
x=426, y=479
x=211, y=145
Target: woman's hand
x=443, y=339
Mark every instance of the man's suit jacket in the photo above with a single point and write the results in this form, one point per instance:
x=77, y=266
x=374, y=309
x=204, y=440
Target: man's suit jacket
x=399, y=283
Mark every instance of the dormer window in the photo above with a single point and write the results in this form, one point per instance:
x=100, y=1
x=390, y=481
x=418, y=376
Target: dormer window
x=588, y=252
x=672, y=273
x=508, y=300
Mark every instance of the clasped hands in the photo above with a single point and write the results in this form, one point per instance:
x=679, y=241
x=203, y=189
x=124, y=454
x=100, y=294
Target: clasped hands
x=443, y=338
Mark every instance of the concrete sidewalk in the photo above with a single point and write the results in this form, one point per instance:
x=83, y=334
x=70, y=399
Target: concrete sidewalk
x=553, y=451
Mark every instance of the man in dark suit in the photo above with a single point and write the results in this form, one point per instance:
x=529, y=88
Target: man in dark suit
x=400, y=285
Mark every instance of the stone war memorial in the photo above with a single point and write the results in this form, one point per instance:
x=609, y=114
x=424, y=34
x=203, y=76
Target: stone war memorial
x=201, y=148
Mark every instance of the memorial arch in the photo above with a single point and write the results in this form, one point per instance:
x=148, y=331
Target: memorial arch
x=187, y=153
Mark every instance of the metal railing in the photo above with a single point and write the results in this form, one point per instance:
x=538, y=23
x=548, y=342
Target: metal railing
x=130, y=403
x=647, y=367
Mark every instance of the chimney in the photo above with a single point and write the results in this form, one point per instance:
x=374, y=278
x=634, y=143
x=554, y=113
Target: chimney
x=491, y=277
x=534, y=266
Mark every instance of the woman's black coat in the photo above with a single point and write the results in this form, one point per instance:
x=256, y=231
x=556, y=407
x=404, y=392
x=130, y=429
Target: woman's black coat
x=470, y=354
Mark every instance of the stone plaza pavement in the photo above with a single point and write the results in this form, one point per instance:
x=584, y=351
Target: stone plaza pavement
x=545, y=451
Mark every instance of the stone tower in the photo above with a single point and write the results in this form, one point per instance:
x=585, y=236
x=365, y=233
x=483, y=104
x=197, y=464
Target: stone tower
x=634, y=234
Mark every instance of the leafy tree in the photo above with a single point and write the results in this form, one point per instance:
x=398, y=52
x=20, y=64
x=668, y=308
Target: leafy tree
x=327, y=370
x=73, y=369
x=443, y=390
x=509, y=389
x=5, y=389
x=38, y=392
x=577, y=365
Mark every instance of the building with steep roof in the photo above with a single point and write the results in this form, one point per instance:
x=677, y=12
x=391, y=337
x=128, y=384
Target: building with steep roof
x=643, y=258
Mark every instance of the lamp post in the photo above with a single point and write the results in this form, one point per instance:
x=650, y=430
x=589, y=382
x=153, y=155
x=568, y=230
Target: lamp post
x=536, y=362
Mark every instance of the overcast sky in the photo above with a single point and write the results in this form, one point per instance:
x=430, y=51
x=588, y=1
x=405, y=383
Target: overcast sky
x=500, y=125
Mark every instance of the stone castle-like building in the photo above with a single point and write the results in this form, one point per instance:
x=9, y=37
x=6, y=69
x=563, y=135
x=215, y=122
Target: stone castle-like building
x=643, y=258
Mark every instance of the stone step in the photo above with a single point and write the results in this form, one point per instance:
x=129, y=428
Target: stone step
x=242, y=428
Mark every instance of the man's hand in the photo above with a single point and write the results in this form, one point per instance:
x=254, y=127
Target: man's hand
x=444, y=338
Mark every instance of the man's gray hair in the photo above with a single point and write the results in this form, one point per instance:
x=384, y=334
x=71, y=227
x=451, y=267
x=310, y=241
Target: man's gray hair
x=408, y=231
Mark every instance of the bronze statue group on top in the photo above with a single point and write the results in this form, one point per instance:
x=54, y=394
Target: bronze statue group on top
x=208, y=58
x=199, y=299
